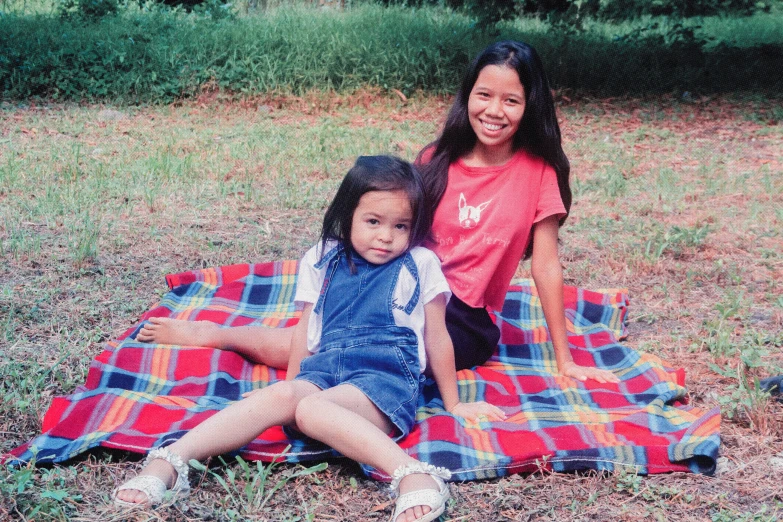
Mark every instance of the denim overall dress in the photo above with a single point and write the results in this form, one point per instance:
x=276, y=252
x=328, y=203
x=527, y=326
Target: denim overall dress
x=360, y=343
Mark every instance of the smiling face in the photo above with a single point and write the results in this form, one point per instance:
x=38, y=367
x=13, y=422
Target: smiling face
x=381, y=225
x=495, y=108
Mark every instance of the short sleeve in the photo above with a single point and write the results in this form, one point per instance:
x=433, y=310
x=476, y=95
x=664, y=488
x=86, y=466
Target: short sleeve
x=307, y=279
x=431, y=278
x=550, y=203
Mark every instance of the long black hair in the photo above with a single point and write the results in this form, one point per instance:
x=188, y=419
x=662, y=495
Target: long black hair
x=368, y=174
x=538, y=133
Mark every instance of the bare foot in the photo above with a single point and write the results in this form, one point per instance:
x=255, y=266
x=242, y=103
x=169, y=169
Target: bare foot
x=415, y=483
x=163, y=330
x=157, y=468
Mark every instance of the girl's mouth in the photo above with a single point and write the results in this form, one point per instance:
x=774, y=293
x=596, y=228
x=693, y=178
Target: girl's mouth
x=492, y=127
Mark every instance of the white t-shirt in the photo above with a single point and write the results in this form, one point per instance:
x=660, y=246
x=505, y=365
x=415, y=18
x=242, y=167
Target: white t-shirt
x=431, y=284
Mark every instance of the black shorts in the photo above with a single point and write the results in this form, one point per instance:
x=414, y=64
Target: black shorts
x=472, y=332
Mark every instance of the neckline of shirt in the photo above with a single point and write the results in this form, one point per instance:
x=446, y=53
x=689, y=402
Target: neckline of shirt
x=490, y=168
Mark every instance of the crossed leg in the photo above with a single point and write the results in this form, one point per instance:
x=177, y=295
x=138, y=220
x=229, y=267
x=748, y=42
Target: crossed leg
x=342, y=417
x=229, y=430
x=258, y=344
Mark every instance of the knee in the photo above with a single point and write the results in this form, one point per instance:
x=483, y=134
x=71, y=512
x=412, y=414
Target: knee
x=308, y=412
x=281, y=393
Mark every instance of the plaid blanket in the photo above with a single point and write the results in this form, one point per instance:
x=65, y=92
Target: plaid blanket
x=139, y=396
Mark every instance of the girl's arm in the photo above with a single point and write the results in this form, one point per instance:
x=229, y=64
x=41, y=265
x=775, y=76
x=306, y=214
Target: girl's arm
x=548, y=276
x=299, y=343
x=440, y=357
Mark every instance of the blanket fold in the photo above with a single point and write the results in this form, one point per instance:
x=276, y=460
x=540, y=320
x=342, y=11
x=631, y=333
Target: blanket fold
x=138, y=395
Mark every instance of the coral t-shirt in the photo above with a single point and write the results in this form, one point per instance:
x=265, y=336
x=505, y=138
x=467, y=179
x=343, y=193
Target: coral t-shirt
x=483, y=224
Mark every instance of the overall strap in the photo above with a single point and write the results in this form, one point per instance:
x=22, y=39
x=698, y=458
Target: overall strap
x=332, y=257
x=328, y=256
x=408, y=263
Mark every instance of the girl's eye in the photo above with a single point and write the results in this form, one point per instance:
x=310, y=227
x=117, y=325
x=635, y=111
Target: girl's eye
x=402, y=226
x=373, y=221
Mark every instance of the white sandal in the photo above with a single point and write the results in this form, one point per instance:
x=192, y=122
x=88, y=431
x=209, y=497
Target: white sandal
x=154, y=487
x=435, y=500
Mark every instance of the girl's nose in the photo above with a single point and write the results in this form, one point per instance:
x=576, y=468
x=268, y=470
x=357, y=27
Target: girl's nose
x=385, y=235
x=495, y=107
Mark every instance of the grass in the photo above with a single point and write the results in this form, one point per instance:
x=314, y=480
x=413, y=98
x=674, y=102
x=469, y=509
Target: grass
x=678, y=201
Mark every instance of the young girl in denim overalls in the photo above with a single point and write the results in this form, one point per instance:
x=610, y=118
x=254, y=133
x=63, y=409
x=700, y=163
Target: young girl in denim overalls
x=373, y=319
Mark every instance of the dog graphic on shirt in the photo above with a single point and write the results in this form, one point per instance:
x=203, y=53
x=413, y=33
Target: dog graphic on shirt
x=470, y=216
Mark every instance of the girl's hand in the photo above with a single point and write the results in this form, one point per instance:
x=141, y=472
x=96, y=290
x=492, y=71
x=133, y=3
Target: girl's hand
x=473, y=410
x=582, y=373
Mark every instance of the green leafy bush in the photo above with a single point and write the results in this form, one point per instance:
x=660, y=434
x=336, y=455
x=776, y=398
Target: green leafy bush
x=158, y=54
x=87, y=8
x=625, y=9
x=607, y=9
x=487, y=11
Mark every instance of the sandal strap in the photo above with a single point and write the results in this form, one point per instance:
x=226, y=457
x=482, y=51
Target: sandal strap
x=179, y=465
x=438, y=473
x=151, y=486
x=435, y=500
